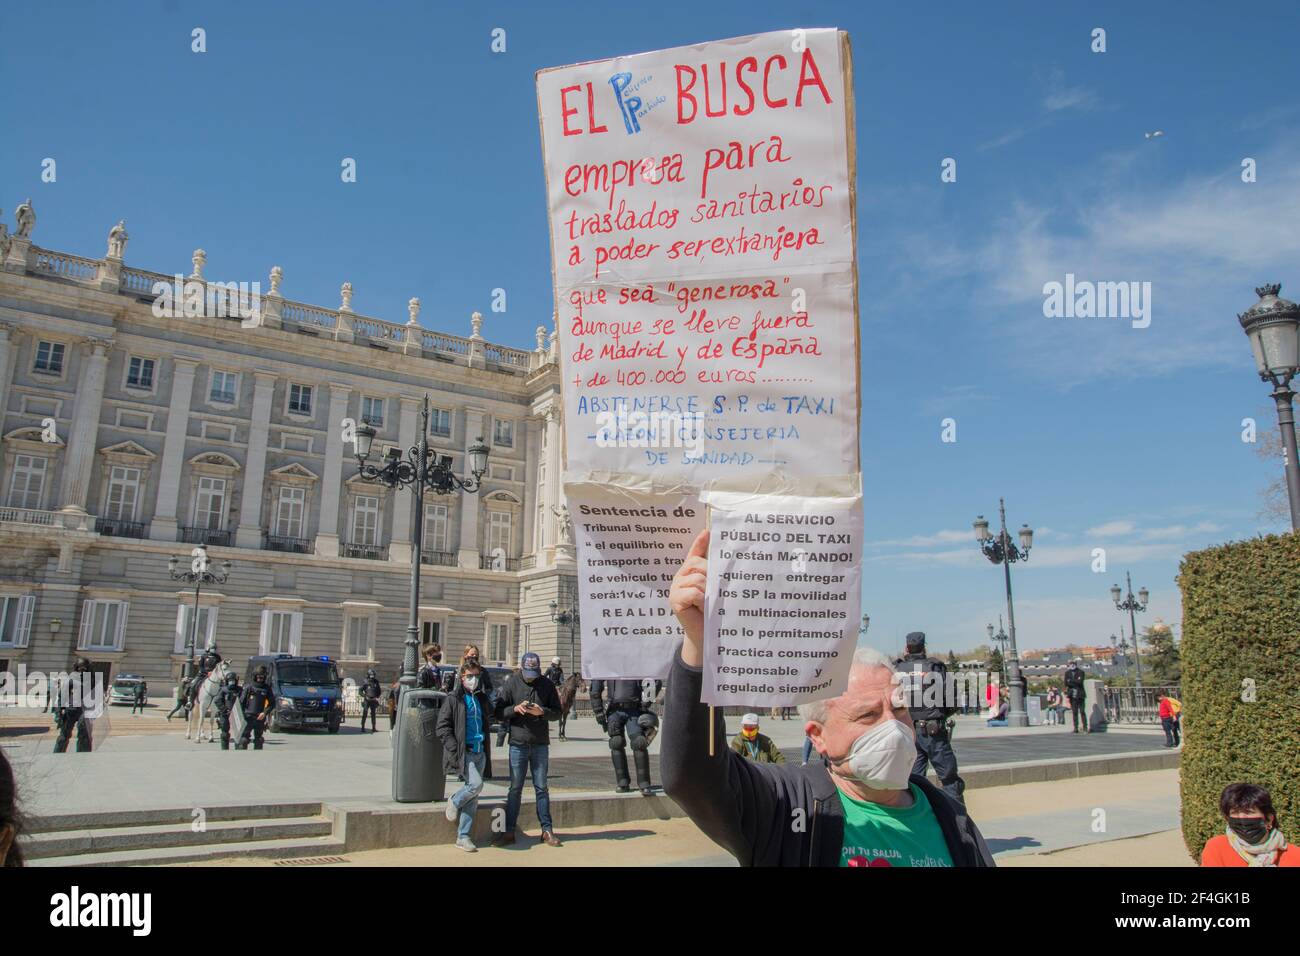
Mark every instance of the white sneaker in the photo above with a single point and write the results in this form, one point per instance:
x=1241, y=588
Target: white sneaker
x=452, y=813
x=466, y=844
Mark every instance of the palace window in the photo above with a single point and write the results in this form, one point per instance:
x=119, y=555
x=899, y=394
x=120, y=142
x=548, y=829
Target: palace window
x=281, y=632
x=435, y=527
x=16, y=619
x=440, y=422
x=27, y=483
x=123, y=493
x=210, y=503
x=103, y=625
x=289, y=512
x=365, y=520
x=49, y=358
x=206, y=634
x=300, y=399
x=372, y=411
x=224, y=387
x=139, y=372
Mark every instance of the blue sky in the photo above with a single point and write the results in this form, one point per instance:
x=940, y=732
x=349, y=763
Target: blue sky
x=1097, y=433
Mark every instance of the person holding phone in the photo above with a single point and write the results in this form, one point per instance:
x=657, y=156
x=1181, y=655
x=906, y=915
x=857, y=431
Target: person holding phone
x=527, y=704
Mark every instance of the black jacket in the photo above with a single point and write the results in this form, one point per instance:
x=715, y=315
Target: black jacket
x=257, y=699
x=746, y=807
x=1074, y=684
x=371, y=690
x=528, y=730
x=451, y=730
x=621, y=693
x=927, y=697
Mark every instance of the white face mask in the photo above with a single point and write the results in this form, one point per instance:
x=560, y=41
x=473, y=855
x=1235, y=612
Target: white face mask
x=883, y=755
x=471, y=683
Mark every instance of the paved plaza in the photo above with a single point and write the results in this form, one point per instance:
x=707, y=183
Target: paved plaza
x=145, y=762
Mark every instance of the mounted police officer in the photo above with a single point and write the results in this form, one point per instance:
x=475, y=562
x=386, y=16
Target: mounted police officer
x=207, y=663
x=76, y=696
x=226, y=701
x=929, y=709
x=627, y=714
x=370, y=692
x=258, y=703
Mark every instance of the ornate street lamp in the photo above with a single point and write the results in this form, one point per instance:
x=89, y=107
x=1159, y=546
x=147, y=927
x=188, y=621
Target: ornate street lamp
x=421, y=470
x=199, y=573
x=1273, y=325
x=1000, y=549
x=1131, y=604
x=568, y=617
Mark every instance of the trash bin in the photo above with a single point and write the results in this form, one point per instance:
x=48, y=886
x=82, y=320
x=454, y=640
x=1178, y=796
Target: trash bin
x=418, y=776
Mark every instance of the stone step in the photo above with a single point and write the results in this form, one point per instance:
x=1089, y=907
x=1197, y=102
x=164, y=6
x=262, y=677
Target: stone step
x=166, y=856
x=108, y=819
x=235, y=833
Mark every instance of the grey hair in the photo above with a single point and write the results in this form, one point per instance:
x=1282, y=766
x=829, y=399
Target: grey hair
x=862, y=657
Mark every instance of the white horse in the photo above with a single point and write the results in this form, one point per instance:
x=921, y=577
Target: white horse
x=205, y=705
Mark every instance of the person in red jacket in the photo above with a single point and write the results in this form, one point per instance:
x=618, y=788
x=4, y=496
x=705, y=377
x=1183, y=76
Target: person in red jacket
x=1169, y=708
x=1251, y=837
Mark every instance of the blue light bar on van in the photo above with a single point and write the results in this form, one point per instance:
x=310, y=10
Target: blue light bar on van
x=323, y=658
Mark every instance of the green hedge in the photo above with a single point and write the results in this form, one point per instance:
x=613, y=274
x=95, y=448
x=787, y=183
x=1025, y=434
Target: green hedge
x=1241, y=620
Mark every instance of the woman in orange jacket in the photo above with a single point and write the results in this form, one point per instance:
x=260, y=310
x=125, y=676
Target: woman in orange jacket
x=1251, y=837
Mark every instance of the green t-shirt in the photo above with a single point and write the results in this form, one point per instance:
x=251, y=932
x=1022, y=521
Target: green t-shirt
x=876, y=835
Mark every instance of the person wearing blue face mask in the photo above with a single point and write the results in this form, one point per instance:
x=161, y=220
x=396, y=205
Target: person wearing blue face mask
x=466, y=747
x=860, y=806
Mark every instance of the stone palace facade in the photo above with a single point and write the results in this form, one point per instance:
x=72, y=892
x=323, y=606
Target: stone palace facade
x=127, y=438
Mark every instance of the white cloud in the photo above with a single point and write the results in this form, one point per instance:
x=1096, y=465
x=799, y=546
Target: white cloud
x=1111, y=529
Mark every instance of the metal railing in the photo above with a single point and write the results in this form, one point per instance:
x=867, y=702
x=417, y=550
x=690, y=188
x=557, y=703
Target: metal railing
x=368, y=552
x=445, y=559
x=281, y=542
x=488, y=562
x=117, y=528
x=1136, y=705
x=207, y=536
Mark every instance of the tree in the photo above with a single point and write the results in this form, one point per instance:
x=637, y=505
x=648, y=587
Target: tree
x=997, y=664
x=952, y=661
x=1268, y=446
x=1166, y=664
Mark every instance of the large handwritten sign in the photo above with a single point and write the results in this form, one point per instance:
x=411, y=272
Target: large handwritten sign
x=703, y=245
x=701, y=229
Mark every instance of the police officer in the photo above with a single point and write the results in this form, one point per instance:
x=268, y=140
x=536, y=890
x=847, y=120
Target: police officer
x=75, y=693
x=627, y=715
x=555, y=674
x=929, y=709
x=258, y=704
x=207, y=662
x=370, y=692
x=227, y=700
x=1075, y=693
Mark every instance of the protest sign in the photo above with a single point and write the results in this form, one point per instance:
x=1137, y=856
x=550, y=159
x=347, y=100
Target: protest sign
x=703, y=241
x=783, y=595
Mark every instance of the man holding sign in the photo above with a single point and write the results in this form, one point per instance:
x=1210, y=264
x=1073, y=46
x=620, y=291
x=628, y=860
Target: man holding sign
x=862, y=808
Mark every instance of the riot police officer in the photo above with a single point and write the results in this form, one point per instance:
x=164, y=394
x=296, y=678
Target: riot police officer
x=929, y=709
x=75, y=697
x=627, y=714
x=370, y=692
x=258, y=703
x=226, y=701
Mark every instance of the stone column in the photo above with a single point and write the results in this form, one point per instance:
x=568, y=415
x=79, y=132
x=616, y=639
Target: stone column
x=553, y=465
x=327, y=538
x=249, y=533
x=468, y=556
x=6, y=355
x=164, y=525
x=80, y=455
x=532, y=453
x=408, y=434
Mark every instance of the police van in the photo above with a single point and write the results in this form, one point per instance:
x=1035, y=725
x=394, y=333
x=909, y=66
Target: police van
x=307, y=690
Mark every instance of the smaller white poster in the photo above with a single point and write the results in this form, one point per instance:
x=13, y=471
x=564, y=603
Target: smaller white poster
x=784, y=598
x=1034, y=707
x=629, y=546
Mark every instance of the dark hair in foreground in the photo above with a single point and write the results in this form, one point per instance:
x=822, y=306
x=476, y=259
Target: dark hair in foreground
x=1245, y=796
x=9, y=810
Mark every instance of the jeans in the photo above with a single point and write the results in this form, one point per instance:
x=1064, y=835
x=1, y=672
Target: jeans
x=466, y=798
x=521, y=757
